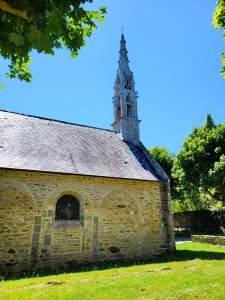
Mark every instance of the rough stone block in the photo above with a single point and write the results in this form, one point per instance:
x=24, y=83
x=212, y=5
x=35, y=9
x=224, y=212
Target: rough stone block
x=51, y=213
x=95, y=235
x=38, y=220
x=37, y=228
x=95, y=258
x=47, y=239
x=36, y=237
x=49, y=264
x=143, y=233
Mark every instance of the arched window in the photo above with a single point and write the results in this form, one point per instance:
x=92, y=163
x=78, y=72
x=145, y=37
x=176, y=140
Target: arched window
x=129, y=111
x=67, y=208
x=127, y=84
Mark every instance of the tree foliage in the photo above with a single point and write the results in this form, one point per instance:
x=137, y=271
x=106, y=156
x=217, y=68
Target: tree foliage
x=43, y=25
x=165, y=159
x=219, y=22
x=199, y=168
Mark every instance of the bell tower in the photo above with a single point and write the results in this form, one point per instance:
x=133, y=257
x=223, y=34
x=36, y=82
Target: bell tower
x=126, y=120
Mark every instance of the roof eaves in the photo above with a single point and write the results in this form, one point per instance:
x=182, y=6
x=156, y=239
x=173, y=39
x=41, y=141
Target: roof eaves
x=98, y=176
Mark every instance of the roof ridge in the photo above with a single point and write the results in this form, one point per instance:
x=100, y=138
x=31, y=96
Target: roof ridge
x=49, y=119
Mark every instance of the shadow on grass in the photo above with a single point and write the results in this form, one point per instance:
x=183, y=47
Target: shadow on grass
x=184, y=255
x=177, y=256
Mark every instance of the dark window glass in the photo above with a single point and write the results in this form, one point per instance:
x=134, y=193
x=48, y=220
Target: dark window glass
x=67, y=208
x=129, y=111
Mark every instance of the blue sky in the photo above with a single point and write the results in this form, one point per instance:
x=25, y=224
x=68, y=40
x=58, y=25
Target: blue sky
x=174, y=54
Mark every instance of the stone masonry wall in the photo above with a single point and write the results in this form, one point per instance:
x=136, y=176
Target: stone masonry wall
x=209, y=239
x=118, y=219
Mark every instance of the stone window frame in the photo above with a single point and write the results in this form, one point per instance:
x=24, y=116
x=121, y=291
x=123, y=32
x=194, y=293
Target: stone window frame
x=71, y=223
x=67, y=208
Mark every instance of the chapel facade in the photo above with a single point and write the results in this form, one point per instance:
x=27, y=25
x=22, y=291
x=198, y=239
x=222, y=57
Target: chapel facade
x=73, y=194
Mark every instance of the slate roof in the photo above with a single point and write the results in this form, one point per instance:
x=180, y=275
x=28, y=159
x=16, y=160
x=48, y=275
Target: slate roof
x=41, y=144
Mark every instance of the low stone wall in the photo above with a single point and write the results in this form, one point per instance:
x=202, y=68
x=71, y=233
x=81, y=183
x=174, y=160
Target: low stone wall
x=209, y=239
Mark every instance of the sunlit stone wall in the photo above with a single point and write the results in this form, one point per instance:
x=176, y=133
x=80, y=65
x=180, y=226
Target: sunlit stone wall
x=119, y=219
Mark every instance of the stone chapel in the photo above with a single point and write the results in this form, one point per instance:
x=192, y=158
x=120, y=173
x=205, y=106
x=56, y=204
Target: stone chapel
x=73, y=194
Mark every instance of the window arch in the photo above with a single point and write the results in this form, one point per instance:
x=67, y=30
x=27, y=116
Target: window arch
x=67, y=208
x=127, y=84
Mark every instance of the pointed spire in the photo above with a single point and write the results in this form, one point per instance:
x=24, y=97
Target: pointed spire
x=123, y=43
x=125, y=99
x=123, y=58
x=124, y=71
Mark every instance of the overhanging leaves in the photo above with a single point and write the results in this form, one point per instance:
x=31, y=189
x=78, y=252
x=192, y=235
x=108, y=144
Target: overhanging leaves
x=17, y=39
x=43, y=25
x=219, y=22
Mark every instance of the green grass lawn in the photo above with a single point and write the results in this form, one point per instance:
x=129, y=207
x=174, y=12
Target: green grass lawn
x=194, y=271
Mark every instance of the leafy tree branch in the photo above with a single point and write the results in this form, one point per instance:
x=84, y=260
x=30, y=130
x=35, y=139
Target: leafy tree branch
x=219, y=22
x=199, y=167
x=166, y=160
x=43, y=25
x=6, y=7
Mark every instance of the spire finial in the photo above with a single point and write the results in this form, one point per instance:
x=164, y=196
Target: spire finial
x=122, y=29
